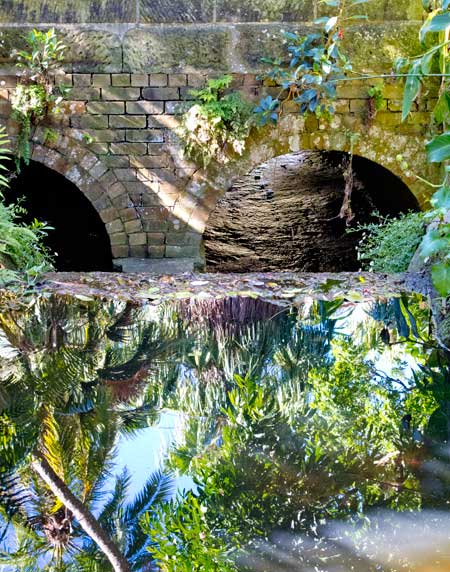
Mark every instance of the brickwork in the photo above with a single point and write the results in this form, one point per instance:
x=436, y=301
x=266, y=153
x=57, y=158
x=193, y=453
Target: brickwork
x=117, y=136
x=117, y=142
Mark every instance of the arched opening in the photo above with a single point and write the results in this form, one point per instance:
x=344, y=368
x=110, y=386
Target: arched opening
x=284, y=214
x=79, y=238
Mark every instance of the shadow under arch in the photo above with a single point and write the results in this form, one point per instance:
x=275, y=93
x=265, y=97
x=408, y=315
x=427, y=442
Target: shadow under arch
x=79, y=238
x=284, y=215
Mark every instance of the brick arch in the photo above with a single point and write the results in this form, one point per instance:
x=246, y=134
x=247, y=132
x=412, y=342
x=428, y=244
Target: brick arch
x=98, y=183
x=291, y=134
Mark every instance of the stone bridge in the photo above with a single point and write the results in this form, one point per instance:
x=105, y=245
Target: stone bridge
x=130, y=64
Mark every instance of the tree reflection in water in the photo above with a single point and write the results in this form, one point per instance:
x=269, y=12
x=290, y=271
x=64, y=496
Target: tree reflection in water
x=315, y=434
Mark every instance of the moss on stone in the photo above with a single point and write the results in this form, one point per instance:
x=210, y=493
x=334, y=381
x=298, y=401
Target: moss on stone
x=88, y=51
x=177, y=49
x=374, y=47
x=68, y=12
x=383, y=10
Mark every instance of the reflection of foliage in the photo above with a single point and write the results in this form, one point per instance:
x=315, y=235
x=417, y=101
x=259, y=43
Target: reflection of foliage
x=182, y=540
x=286, y=423
x=299, y=447
x=59, y=398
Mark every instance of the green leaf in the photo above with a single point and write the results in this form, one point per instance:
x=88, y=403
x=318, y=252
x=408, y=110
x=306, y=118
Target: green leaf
x=438, y=149
x=442, y=109
x=426, y=62
x=412, y=88
x=435, y=23
x=331, y=23
x=432, y=243
x=441, y=199
x=441, y=278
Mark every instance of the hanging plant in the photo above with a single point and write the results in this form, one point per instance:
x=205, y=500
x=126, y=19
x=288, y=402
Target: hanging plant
x=36, y=94
x=217, y=125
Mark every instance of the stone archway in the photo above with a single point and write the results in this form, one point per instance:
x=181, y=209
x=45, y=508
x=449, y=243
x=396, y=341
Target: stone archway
x=98, y=184
x=287, y=214
x=294, y=133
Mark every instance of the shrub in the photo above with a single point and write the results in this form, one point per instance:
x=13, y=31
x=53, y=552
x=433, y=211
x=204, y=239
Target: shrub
x=21, y=245
x=389, y=245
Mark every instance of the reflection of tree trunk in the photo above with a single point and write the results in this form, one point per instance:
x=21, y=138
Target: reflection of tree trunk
x=87, y=522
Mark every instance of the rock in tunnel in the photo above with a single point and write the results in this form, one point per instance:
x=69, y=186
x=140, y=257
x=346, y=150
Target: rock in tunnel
x=79, y=238
x=284, y=215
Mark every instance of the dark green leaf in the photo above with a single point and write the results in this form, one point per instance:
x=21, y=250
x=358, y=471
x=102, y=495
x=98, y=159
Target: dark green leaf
x=438, y=149
x=412, y=88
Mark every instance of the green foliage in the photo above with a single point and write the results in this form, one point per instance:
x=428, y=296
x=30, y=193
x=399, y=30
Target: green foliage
x=36, y=93
x=29, y=106
x=437, y=27
x=314, y=66
x=375, y=102
x=389, y=245
x=376, y=93
x=22, y=245
x=218, y=125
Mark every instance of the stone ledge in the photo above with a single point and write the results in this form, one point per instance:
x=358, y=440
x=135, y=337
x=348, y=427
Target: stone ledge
x=156, y=266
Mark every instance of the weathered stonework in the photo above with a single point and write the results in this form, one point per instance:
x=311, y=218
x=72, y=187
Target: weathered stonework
x=130, y=72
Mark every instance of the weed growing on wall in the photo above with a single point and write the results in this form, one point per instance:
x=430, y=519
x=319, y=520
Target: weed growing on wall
x=36, y=94
x=217, y=125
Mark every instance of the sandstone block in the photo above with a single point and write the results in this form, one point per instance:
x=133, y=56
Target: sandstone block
x=128, y=121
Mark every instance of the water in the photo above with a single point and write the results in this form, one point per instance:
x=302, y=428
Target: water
x=229, y=434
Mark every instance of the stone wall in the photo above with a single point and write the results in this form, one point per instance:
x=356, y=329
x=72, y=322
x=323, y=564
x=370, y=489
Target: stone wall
x=131, y=65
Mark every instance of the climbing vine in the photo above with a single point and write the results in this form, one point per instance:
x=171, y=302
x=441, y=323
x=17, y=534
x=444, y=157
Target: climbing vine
x=36, y=94
x=218, y=124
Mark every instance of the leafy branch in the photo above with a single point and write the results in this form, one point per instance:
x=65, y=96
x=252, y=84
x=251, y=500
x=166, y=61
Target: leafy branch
x=315, y=64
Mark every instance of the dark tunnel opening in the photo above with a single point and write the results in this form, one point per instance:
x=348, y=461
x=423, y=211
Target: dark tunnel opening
x=284, y=214
x=79, y=238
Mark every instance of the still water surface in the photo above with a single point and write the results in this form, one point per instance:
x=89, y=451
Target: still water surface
x=227, y=435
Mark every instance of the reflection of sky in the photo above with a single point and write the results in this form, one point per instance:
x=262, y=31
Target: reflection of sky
x=144, y=453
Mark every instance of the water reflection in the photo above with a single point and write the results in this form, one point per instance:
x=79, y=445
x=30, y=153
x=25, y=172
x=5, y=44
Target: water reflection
x=311, y=438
